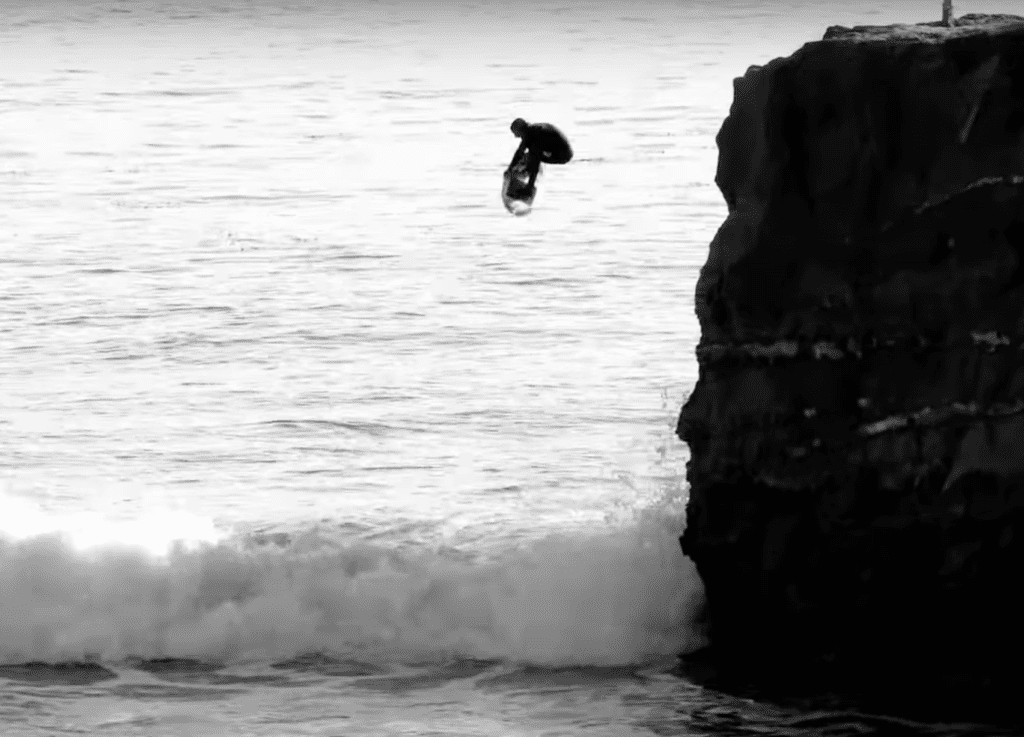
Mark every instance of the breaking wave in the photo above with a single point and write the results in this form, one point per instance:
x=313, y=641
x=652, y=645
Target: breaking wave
x=619, y=596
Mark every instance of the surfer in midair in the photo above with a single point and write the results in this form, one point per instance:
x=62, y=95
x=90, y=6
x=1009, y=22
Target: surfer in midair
x=541, y=142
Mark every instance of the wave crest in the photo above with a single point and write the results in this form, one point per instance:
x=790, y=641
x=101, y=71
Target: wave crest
x=615, y=597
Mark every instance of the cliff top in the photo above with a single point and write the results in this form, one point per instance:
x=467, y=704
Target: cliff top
x=968, y=25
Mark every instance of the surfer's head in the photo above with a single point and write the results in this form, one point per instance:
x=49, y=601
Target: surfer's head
x=518, y=126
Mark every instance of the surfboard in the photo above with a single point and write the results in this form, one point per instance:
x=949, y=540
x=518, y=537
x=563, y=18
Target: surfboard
x=514, y=195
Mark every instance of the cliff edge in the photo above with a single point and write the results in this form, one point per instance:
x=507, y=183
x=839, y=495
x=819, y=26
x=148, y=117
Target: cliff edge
x=857, y=430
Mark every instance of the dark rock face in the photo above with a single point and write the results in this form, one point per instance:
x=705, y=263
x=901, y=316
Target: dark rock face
x=857, y=432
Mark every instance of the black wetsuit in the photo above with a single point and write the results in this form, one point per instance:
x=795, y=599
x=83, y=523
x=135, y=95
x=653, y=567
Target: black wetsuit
x=544, y=142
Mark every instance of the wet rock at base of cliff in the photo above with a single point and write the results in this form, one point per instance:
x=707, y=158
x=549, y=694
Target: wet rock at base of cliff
x=857, y=430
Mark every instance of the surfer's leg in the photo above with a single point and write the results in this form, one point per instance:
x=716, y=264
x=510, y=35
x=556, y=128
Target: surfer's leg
x=532, y=168
x=558, y=154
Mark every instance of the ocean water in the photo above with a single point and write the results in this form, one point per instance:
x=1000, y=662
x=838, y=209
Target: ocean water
x=300, y=432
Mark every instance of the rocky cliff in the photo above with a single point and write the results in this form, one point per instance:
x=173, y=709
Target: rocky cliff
x=857, y=431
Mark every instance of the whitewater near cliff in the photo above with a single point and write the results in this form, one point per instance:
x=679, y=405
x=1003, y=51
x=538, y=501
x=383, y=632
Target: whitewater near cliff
x=109, y=593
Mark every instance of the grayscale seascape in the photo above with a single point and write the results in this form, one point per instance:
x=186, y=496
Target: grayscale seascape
x=301, y=433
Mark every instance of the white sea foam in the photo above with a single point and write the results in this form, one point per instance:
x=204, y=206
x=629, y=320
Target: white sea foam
x=155, y=533
x=619, y=596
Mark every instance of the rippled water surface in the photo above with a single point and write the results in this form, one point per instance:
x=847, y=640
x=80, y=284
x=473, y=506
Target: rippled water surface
x=300, y=432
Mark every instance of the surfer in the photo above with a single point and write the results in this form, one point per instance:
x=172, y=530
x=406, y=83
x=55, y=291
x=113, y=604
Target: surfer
x=540, y=142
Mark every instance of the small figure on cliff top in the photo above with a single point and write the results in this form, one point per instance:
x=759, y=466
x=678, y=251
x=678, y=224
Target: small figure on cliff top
x=540, y=142
x=947, y=13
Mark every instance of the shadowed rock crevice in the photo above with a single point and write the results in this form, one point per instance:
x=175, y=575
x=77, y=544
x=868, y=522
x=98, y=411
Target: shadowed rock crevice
x=857, y=431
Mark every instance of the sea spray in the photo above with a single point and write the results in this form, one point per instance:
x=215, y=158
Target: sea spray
x=616, y=596
x=156, y=531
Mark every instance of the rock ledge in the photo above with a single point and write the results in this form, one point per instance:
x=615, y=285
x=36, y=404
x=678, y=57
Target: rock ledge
x=857, y=431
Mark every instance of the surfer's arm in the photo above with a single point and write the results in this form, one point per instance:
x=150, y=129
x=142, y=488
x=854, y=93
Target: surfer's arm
x=518, y=154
